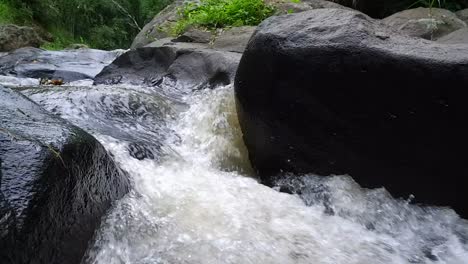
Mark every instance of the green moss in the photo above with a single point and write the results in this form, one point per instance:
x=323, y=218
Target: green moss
x=222, y=13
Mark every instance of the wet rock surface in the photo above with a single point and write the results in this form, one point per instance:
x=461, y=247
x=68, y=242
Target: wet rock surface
x=68, y=65
x=115, y=111
x=173, y=69
x=56, y=182
x=334, y=92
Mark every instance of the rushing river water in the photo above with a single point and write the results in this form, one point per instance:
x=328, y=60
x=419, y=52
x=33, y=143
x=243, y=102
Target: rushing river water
x=194, y=199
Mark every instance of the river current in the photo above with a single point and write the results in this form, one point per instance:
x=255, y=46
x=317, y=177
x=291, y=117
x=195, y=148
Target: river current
x=195, y=199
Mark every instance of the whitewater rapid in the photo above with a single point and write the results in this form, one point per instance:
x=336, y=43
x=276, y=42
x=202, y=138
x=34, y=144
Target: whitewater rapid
x=198, y=202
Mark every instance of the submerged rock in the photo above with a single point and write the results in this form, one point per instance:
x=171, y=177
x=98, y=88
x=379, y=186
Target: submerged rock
x=68, y=65
x=56, y=182
x=14, y=37
x=180, y=68
x=135, y=115
x=334, y=92
x=428, y=23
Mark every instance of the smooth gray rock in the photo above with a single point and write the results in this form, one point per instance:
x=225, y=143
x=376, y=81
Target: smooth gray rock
x=159, y=27
x=234, y=39
x=169, y=42
x=195, y=35
x=463, y=15
x=335, y=92
x=425, y=22
x=457, y=37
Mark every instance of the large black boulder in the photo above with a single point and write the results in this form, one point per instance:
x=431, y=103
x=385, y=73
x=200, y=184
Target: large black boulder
x=334, y=92
x=56, y=182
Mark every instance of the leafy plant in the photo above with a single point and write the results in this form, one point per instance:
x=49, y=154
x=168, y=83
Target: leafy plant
x=62, y=39
x=6, y=14
x=222, y=13
x=12, y=12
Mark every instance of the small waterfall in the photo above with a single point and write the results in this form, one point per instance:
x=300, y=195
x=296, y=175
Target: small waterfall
x=194, y=199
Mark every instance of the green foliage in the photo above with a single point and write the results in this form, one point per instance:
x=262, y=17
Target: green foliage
x=62, y=39
x=6, y=13
x=103, y=24
x=222, y=13
x=13, y=12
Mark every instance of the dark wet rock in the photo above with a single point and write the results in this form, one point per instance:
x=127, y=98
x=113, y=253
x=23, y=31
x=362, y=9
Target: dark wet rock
x=234, y=39
x=177, y=68
x=14, y=37
x=56, y=182
x=135, y=115
x=335, y=92
x=428, y=23
x=457, y=37
x=69, y=65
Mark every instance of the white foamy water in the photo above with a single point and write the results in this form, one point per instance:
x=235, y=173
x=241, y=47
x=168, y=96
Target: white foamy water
x=199, y=204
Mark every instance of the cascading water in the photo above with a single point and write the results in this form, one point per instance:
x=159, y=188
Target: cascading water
x=194, y=199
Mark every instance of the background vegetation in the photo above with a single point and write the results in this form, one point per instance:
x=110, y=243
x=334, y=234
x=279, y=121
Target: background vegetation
x=111, y=24
x=103, y=24
x=222, y=13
